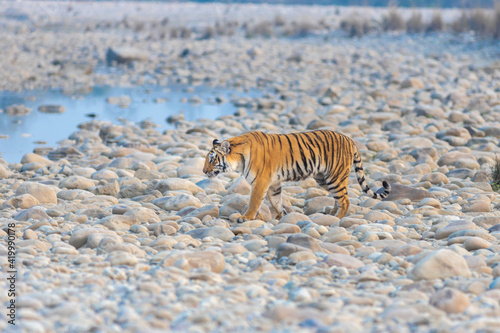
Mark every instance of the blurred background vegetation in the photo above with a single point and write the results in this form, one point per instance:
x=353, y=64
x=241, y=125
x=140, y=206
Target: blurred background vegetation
x=376, y=3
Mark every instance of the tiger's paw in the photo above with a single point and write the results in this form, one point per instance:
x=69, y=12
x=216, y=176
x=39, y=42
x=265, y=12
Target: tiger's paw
x=286, y=210
x=238, y=218
x=279, y=216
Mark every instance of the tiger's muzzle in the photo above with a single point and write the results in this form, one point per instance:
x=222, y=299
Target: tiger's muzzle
x=212, y=174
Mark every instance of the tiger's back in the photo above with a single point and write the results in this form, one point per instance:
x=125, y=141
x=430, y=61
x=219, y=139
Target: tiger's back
x=266, y=160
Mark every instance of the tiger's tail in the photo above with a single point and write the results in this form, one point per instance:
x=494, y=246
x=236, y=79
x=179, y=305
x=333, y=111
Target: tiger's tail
x=382, y=193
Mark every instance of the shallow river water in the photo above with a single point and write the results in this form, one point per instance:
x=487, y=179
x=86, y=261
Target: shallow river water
x=21, y=134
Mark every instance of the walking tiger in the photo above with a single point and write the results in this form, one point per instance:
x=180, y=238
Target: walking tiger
x=267, y=160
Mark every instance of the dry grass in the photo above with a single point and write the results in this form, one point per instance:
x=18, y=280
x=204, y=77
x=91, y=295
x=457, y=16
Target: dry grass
x=495, y=175
x=461, y=24
x=279, y=21
x=300, y=29
x=139, y=26
x=227, y=28
x=325, y=23
x=261, y=29
x=393, y=20
x=209, y=32
x=126, y=23
x=479, y=21
x=482, y=22
x=306, y=27
x=180, y=32
x=436, y=22
x=496, y=21
x=415, y=23
x=356, y=26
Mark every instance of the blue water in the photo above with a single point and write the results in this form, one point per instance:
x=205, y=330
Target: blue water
x=26, y=132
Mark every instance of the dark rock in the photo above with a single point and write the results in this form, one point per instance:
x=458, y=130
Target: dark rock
x=481, y=176
x=124, y=55
x=200, y=213
x=399, y=192
x=72, y=68
x=35, y=213
x=51, y=108
x=426, y=151
x=392, y=125
x=495, y=228
x=286, y=249
x=216, y=231
x=17, y=110
x=305, y=241
x=71, y=153
x=461, y=173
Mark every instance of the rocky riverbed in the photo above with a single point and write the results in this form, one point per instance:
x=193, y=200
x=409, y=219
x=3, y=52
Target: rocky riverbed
x=119, y=230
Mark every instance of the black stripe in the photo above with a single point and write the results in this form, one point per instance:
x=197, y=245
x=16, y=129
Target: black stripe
x=289, y=142
x=312, y=152
x=257, y=136
x=330, y=182
x=319, y=143
x=237, y=144
x=344, y=177
x=338, y=156
x=277, y=191
x=342, y=189
x=335, y=187
x=302, y=156
x=305, y=160
x=337, y=153
x=309, y=163
x=328, y=150
x=299, y=170
x=286, y=166
x=357, y=158
x=292, y=157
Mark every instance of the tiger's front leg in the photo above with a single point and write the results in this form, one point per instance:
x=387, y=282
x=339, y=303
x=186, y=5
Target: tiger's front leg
x=275, y=198
x=259, y=189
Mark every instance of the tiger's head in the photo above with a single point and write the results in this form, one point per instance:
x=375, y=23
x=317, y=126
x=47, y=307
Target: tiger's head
x=216, y=159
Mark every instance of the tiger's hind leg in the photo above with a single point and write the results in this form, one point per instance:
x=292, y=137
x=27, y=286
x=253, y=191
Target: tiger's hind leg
x=338, y=187
x=276, y=200
x=342, y=204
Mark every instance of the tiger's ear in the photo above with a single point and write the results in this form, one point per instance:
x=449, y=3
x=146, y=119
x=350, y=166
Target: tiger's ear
x=216, y=142
x=225, y=147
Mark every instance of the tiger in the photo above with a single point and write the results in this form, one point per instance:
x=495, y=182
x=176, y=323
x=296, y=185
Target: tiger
x=267, y=160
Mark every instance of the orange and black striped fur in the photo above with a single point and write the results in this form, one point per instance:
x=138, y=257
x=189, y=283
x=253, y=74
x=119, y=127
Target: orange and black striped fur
x=266, y=160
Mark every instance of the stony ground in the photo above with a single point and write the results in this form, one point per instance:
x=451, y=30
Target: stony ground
x=119, y=230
